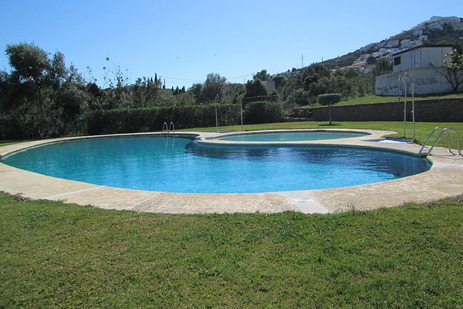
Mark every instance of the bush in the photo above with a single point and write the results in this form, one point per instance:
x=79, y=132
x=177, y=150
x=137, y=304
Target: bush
x=264, y=112
x=152, y=119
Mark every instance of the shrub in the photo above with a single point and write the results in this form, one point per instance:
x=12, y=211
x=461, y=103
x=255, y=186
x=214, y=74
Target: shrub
x=263, y=112
x=152, y=119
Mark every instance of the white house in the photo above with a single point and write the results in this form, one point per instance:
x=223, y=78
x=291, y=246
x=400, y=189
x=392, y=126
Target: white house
x=420, y=67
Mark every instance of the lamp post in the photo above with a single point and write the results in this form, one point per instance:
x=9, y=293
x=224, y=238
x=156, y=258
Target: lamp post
x=241, y=112
x=402, y=78
x=216, y=118
x=413, y=110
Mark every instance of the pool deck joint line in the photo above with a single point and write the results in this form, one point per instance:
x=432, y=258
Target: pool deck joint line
x=52, y=197
x=444, y=179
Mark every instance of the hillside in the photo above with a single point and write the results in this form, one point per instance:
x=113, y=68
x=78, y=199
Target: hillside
x=431, y=32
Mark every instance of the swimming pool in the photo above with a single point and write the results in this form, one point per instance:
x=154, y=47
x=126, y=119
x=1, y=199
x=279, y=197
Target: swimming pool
x=290, y=136
x=156, y=163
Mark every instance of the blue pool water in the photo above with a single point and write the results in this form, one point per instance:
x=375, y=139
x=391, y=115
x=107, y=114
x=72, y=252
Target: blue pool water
x=290, y=136
x=181, y=165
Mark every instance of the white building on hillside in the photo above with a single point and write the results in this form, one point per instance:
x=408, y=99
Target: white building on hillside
x=420, y=66
x=420, y=57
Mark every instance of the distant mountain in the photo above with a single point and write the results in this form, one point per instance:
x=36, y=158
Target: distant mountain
x=435, y=31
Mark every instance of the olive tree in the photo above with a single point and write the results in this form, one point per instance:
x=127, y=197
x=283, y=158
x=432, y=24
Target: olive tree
x=213, y=88
x=40, y=96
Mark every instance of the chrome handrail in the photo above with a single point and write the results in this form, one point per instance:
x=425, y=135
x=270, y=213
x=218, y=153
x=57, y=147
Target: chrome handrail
x=164, y=125
x=168, y=128
x=173, y=127
x=443, y=130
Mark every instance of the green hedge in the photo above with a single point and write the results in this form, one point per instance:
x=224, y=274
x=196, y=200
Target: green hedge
x=152, y=119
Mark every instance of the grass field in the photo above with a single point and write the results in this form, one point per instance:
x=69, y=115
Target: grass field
x=57, y=255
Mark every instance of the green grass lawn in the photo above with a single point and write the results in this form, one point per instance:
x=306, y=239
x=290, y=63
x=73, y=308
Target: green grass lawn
x=56, y=255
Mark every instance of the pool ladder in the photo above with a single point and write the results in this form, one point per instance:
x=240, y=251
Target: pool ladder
x=442, y=131
x=168, y=128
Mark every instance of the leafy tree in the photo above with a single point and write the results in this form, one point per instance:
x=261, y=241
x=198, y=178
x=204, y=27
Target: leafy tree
x=145, y=92
x=383, y=66
x=280, y=82
x=97, y=96
x=30, y=66
x=329, y=99
x=255, y=88
x=298, y=97
x=117, y=82
x=454, y=69
x=57, y=72
x=233, y=92
x=44, y=97
x=291, y=84
x=196, y=90
x=255, y=91
x=262, y=75
x=214, y=88
x=312, y=74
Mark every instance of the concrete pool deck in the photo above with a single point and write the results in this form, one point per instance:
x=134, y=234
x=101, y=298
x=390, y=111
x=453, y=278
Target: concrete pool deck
x=444, y=179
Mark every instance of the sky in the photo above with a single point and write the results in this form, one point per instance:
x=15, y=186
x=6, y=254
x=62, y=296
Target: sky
x=183, y=41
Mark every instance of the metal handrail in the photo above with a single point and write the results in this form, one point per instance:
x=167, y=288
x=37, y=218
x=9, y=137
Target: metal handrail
x=443, y=130
x=168, y=128
x=164, y=125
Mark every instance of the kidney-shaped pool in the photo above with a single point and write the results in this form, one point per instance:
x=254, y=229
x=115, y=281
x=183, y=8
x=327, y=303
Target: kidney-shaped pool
x=159, y=163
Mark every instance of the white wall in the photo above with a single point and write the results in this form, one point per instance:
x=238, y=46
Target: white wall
x=427, y=80
x=424, y=57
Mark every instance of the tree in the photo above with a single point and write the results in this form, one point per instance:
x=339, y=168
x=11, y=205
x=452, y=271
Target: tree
x=43, y=98
x=298, y=97
x=280, y=82
x=30, y=65
x=196, y=90
x=96, y=94
x=255, y=88
x=29, y=62
x=454, y=69
x=329, y=99
x=262, y=75
x=145, y=92
x=213, y=88
x=383, y=66
x=233, y=91
x=312, y=74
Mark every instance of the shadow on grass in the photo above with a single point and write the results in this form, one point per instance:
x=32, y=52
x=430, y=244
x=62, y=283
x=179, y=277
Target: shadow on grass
x=329, y=125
